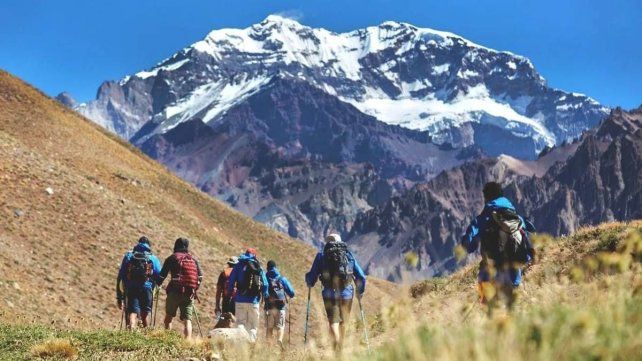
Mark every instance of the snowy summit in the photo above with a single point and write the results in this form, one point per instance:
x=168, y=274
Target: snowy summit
x=419, y=78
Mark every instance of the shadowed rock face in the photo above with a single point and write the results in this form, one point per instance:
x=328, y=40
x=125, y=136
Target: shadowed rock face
x=596, y=180
x=299, y=159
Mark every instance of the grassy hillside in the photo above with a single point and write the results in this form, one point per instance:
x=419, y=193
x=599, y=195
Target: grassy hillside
x=74, y=199
x=581, y=301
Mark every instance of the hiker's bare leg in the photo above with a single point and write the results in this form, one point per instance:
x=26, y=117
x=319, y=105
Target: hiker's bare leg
x=144, y=317
x=269, y=334
x=132, y=321
x=342, y=331
x=335, y=333
x=188, y=329
x=168, y=322
x=280, y=334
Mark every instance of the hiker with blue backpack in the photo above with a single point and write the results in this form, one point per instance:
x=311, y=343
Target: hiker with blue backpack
x=135, y=283
x=340, y=276
x=276, y=304
x=251, y=284
x=502, y=237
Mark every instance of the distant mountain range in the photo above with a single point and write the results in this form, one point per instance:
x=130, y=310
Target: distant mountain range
x=311, y=131
x=592, y=180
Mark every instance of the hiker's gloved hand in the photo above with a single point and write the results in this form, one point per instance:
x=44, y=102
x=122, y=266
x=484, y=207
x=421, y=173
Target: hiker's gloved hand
x=217, y=310
x=121, y=304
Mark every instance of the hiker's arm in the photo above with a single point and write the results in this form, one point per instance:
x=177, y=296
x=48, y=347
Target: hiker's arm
x=232, y=283
x=220, y=285
x=470, y=239
x=120, y=278
x=359, y=277
x=156, y=266
x=200, y=272
x=264, y=289
x=120, y=296
x=312, y=276
x=164, y=271
x=289, y=290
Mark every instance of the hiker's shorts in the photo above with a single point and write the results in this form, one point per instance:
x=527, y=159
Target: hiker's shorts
x=337, y=310
x=139, y=300
x=276, y=318
x=228, y=305
x=176, y=301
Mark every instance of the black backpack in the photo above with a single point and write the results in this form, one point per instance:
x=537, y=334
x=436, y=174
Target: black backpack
x=504, y=240
x=276, y=293
x=337, y=268
x=139, y=269
x=251, y=281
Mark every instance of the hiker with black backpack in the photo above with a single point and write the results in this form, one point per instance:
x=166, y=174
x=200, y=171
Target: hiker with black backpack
x=135, y=283
x=502, y=237
x=183, y=285
x=251, y=284
x=276, y=304
x=339, y=273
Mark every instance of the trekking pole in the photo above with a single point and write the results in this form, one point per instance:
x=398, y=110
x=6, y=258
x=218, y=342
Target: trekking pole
x=363, y=320
x=122, y=318
x=156, y=294
x=307, y=317
x=198, y=321
x=289, y=323
x=124, y=313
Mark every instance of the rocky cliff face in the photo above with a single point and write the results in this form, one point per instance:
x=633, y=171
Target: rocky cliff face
x=594, y=180
x=298, y=158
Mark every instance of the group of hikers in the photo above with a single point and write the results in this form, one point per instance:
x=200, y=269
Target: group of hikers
x=498, y=233
x=239, y=290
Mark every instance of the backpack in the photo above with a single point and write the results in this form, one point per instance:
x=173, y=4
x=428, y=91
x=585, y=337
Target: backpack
x=337, y=267
x=251, y=282
x=276, y=298
x=504, y=240
x=227, y=273
x=186, y=281
x=139, y=269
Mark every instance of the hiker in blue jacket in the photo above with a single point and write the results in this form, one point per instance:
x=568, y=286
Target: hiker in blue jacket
x=251, y=284
x=484, y=233
x=135, y=282
x=276, y=305
x=337, y=293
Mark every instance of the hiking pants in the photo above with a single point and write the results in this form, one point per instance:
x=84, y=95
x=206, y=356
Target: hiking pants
x=247, y=315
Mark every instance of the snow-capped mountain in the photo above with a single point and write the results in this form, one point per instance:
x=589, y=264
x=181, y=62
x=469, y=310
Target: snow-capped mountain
x=459, y=92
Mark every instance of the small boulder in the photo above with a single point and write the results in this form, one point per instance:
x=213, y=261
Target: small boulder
x=49, y=191
x=18, y=212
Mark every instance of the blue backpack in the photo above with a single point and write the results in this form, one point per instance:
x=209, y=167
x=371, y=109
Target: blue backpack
x=276, y=293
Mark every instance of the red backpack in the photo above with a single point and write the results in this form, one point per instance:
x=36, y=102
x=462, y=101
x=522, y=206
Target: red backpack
x=186, y=281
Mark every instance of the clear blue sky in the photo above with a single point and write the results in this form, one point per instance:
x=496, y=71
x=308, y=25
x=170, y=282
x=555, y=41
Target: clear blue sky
x=592, y=47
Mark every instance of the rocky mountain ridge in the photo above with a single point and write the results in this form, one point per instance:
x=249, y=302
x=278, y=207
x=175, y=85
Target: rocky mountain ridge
x=593, y=180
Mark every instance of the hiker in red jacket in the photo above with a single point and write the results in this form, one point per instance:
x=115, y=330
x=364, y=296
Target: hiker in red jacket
x=221, y=289
x=181, y=290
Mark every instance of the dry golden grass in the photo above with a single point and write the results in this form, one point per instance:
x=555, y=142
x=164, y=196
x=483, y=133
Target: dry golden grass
x=55, y=348
x=66, y=247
